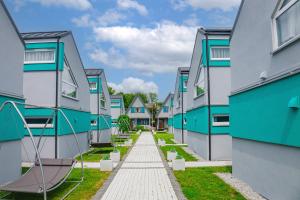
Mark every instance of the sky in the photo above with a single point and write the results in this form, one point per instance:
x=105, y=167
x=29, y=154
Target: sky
x=139, y=43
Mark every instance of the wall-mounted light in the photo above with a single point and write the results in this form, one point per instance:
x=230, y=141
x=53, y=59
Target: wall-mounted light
x=263, y=75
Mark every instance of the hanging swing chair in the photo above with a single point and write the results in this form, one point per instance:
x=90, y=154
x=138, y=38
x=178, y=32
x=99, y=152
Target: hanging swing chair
x=46, y=174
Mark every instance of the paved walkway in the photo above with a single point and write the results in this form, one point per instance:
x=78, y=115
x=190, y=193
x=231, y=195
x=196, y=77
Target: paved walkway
x=142, y=176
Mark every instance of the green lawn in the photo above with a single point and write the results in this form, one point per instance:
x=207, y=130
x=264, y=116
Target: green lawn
x=180, y=151
x=202, y=184
x=164, y=136
x=93, y=180
x=134, y=137
x=96, y=154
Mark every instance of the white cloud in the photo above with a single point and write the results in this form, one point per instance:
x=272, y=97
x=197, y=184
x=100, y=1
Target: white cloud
x=134, y=85
x=75, y=4
x=225, y=5
x=192, y=20
x=150, y=50
x=83, y=21
x=132, y=4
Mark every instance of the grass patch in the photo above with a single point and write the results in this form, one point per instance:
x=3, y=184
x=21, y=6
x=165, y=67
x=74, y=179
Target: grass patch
x=134, y=137
x=96, y=154
x=180, y=151
x=201, y=183
x=164, y=136
x=93, y=180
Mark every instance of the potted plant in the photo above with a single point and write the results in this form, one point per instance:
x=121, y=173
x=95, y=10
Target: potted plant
x=115, y=155
x=178, y=163
x=171, y=155
x=106, y=163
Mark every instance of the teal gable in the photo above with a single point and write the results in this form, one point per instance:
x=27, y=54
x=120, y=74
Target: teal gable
x=214, y=43
x=98, y=82
x=59, y=53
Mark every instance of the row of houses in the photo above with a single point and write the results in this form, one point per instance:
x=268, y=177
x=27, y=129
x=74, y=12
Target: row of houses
x=43, y=75
x=239, y=100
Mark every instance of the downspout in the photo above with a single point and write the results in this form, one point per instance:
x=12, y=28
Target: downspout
x=56, y=97
x=208, y=96
x=98, y=109
x=182, y=120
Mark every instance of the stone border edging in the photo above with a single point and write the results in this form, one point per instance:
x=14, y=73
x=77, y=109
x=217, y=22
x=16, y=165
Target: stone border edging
x=174, y=182
x=106, y=184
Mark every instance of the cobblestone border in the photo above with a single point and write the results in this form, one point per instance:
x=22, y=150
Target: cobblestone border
x=174, y=182
x=106, y=184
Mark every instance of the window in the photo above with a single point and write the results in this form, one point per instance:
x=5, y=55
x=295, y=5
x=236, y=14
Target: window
x=102, y=101
x=39, y=56
x=69, y=87
x=220, y=53
x=93, y=86
x=286, y=22
x=185, y=84
x=39, y=122
x=115, y=104
x=200, y=85
x=138, y=110
x=93, y=122
x=166, y=109
x=221, y=120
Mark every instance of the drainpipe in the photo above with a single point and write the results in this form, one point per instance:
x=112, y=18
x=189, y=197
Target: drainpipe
x=56, y=97
x=98, y=110
x=182, y=120
x=208, y=95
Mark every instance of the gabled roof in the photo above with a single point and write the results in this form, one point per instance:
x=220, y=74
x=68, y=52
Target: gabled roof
x=135, y=98
x=93, y=72
x=183, y=70
x=170, y=95
x=45, y=35
x=215, y=31
x=12, y=21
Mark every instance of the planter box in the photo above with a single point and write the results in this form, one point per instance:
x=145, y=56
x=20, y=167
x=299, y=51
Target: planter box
x=106, y=165
x=161, y=142
x=171, y=155
x=115, y=156
x=178, y=164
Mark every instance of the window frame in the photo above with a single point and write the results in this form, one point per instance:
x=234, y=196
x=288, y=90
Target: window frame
x=40, y=62
x=219, y=59
x=95, y=88
x=220, y=123
x=67, y=66
x=94, y=124
x=102, y=99
x=49, y=125
x=278, y=12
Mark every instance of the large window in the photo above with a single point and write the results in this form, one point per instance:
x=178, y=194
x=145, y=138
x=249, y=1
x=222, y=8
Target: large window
x=39, y=122
x=220, y=53
x=39, y=56
x=200, y=84
x=93, y=86
x=287, y=22
x=102, y=101
x=221, y=120
x=69, y=86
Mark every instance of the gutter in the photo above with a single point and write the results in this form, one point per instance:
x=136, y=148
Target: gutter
x=56, y=96
x=182, y=120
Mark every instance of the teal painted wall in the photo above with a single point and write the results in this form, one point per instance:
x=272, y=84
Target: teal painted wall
x=178, y=121
x=214, y=63
x=182, y=79
x=170, y=121
x=102, y=119
x=262, y=114
x=197, y=120
x=11, y=126
x=95, y=80
x=116, y=101
x=46, y=66
x=80, y=121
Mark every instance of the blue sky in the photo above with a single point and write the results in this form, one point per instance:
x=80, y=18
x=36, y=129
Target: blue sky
x=139, y=43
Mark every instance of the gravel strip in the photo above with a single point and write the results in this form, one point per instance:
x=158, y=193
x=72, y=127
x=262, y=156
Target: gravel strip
x=190, y=151
x=240, y=186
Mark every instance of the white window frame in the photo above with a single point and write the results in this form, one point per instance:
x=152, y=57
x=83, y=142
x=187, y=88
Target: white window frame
x=49, y=125
x=93, y=88
x=102, y=98
x=276, y=15
x=115, y=104
x=220, y=123
x=71, y=84
x=39, y=62
x=94, y=124
x=219, y=47
x=185, y=83
x=199, y=83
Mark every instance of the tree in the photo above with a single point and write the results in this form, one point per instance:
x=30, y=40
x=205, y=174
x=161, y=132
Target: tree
x=111, y=91
x=124, y=123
